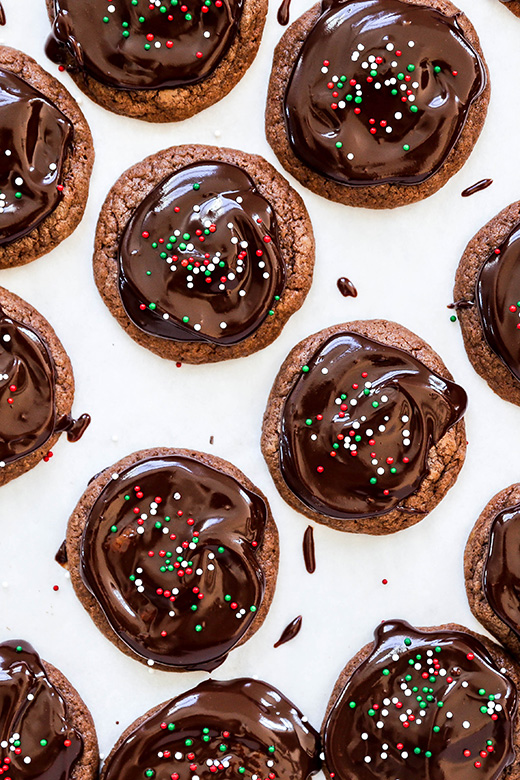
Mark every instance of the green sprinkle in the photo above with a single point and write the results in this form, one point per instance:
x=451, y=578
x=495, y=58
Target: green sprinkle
x=371, y=712
x=437, y=69
x=241, y=769
x=149, y=773
x=152, y=306
x=19, y=649
x=339, y=145
x=410, y=68
x=18, y=195
x=375, y=404
x=227, y=598
x=428, y=753
x=436, y=729
x=440, y=704
x=252, y=609
x=171, y=726
x=305, y=369
x=106, y=19
x=113, y=528
x=308, y=421
x=414, y=109
x=185, y=319
x=198, y=628
x=221, y=550
x=43, y=742
x=417, y=750
x=188, y=742
x=352, y=705
x=481, y=692
x=271, y=748
x=373, y=480
x=386, y=672
x=408, y=642
x=125, y=34
x=406, y=147
x=453, y=318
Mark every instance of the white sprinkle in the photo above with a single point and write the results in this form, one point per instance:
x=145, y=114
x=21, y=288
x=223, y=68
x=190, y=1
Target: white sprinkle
x=466, y=724
x=364, y=736
x=411, y=44
x=8, y=153
x=115, y=475
x=27, y=760
x=223, y=325
x=368, y=759
x=6, y=337
x=150, y=662
x=324, y=370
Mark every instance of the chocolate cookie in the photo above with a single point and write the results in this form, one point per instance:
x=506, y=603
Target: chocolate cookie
x=433, y=702
x=487, y=297
x=46, y=731
x=36, y=389
x=363, y=429
x=238, y=728
x=492, y=568
x=46, y=157
x=157, y=61
x=513, y=5
x=377, y=103
x=236, y=236
x=174, y=554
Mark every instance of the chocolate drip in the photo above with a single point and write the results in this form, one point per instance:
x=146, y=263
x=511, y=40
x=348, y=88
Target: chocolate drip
x=283, y=13
x=497, y=292
x=199, y=258
x=36, y=138
x=2, y=16
x=74, y=428
x=139, y=47
x=358, y=424
x=344, y=108
x=170, y=552
x=244, y=726
x=501, y=574
x=290, y=631
x=61, y=556
x=483, y=184
x=346, y=288
x=34, y=710
x=309, y=552
x=456, y=721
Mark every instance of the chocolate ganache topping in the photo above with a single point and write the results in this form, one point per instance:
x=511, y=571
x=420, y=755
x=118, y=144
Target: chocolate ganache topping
x=170, y=552
x=27, y=393
x=422, y=705
x=358, y=423
x=501, y=574
x=37, y=738
x=144, y=44
x=381, y=91
x=34, y=141
x=238, y=728
x=498, y=299
x=199, y=259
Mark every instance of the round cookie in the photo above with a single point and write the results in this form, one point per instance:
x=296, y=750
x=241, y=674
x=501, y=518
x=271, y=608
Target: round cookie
x=46, y=729
x=431, y=702
x=487, y=295
x=151, y=62
x=247, y=266
x=363, y=428
x=174, y=554
x=334, y=115
x=43, y=195
x=36, y=389
x=239, y=727
x=513, y=5
x=491, y=568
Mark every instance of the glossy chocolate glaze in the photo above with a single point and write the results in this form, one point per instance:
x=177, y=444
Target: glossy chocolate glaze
x=422, y=705
x=497, y=293
x=501, y=574
x=146, y=45
x=32, y=712
x=199, y=259
x=27, y=393
x=380, y=92
x=35, y=138
x=174, y=566
x=245, y=728
x=358, y=423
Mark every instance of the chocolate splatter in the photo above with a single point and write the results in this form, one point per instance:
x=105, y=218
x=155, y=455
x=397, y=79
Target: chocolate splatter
x=346, y=287
x=483, y=184
x=283, y=13
x=462, y=304
x=211, y=439
x=61, y=555
x=2, y=15
x=309, y=553
x=292, y=630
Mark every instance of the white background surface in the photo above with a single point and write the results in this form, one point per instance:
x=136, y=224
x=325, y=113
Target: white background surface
x=402, y=262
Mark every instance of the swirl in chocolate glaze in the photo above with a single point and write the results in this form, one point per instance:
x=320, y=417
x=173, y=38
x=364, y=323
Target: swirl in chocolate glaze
x=357, y=426
x=27, y=393
x=35, y=140
x=199, y=258
x=37, y=738
x=380, y=92
x=170, y=552
x=501, y=574
x=422, y=705
x=238, y=728
x=497, y=293
x=142, y=45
